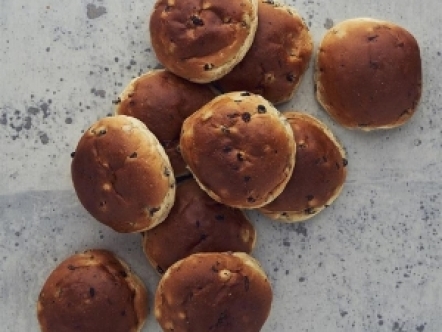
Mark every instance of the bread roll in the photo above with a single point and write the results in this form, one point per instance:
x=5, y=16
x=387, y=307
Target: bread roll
x=279, y=56
x=319, y=175
x=369, y=74
x=202, y=40
x=122, y=175
x=221, y=292
x=197, y=224
x=92, y=292
x=162, y=100
x=240, y=149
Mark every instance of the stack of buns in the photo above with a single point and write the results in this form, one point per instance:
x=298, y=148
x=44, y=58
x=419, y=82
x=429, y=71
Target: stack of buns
x=227, y=151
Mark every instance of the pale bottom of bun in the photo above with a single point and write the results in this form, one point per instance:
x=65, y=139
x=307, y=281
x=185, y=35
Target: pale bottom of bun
x=140, y=295
x=165, y=207
x=299, y=216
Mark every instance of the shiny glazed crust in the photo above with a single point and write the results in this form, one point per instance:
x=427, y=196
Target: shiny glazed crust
x=162, y=100
x=222, y=292
x=122, y=175
x=92, y=291
x=369, y=74
x=278, y=58
x=240, y=149
x=202, y=40
x=319, y=175
x=195, y=224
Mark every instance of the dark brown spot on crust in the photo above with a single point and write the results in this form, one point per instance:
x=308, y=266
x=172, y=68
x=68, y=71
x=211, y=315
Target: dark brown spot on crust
x=262, y=109
x=197, y=21
x=92, y=292
x=246, y=116
x=73, y=154
x=152, y=211
x=240, y=156
x=160, y=270
x=245, y=94
x=290, y=77
x=246, y=283
x=209, y=66
x=133, y=155
x=344, y=162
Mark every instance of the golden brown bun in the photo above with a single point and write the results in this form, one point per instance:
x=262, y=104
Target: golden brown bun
x=197, y=223
x=240, y=149
x=122, y=175
x=369, y=74
x=202, y=40
x=319, y=174
x=92, y=292
x=221, y=292
x=162, y=100
x=279, y=56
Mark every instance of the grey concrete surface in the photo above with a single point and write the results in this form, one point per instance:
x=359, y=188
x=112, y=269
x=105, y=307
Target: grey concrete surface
x=370, y=262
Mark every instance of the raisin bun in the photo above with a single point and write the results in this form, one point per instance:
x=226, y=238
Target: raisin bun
x=223, y=292
x=279, y=56
x=92, y=292
x=369, y=74
x=162, y=100
x=319, y=174
x=240, y=149
x=122, y=175
x=202, y=40
x=197, y=223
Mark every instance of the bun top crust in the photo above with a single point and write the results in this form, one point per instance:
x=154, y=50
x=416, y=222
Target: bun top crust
x=195, y=224
x=202, y=40
x=319, y=174
x=92, y=291
x=278, y=58
x=122, y=175
x=222, y=292
x=369, y=74
x=240, y=149
x=162, y=100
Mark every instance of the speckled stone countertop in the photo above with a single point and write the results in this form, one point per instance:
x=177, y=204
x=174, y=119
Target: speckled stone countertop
x=371, y=262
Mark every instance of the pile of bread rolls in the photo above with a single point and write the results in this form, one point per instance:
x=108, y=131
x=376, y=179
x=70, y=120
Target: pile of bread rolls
x=193, y=144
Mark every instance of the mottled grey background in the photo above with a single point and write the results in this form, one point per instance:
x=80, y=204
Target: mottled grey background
x=371, y=262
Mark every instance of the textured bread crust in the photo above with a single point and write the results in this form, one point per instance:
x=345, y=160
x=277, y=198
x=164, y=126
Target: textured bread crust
x=369, y=74
x=122, y=175
x=279, y=56
x=162, y=100
x=202, y=40
x=240, y=149
x=319, y=175
x=92, y=291
x=195, y=224
x=221, y=292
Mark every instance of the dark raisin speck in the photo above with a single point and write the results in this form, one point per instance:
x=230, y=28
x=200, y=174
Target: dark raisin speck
x=309, y=211
x=247, y=178
x=290, y=77
x=250, y=199
x=227, y=149
x=219, y=217
x=196, y=20
x=245, y=94
x=72, y=154
x=153, y=211
x=133, y=155
x=92, y=292
x=240, y=156
x=261, y=109
x=71, y=267
x=160, y=270
x=246, y=116
x=310, y=197
x=344, y=162
x=208, y=66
